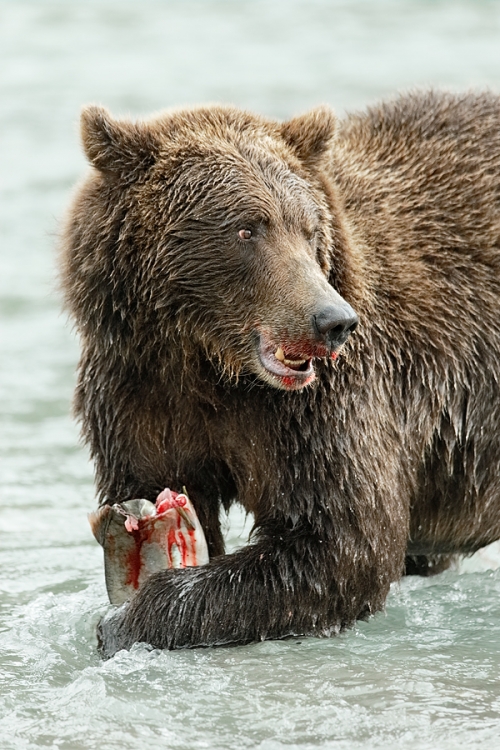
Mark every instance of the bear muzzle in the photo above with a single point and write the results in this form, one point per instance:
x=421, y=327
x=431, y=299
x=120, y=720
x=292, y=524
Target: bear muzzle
x=289, y=360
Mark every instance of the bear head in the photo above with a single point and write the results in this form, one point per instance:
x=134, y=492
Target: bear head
x=209, y=229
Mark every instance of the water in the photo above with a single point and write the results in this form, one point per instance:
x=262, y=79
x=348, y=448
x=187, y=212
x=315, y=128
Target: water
x=425, y=675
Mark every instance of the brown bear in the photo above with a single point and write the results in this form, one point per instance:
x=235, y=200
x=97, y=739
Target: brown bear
x=216, y=263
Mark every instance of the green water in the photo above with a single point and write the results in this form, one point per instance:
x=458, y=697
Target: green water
x=425, y=675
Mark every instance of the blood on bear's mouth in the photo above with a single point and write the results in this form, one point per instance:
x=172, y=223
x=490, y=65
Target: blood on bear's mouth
x=290, y=363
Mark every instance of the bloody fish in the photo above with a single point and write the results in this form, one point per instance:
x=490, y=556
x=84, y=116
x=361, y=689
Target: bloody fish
x=140, y=538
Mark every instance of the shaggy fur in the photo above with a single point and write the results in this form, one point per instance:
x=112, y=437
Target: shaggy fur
x=392, y=451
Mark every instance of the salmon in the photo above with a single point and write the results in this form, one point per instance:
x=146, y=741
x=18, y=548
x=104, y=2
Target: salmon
x=140, y=538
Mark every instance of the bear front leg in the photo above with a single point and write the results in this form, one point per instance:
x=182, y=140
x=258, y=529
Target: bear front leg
x=288, y=583
x=207, y=507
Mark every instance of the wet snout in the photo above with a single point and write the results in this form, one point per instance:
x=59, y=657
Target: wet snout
x=334, y=323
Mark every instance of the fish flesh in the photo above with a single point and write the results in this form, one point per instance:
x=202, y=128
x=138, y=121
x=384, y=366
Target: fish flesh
x=140, y=538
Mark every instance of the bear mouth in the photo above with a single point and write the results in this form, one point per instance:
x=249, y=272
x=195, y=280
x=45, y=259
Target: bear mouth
x=290, y=364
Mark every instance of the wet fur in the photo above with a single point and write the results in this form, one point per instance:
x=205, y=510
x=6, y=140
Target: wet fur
x=394, y=450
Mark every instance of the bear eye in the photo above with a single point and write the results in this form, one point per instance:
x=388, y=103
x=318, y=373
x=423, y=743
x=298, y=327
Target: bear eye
x=245, y=234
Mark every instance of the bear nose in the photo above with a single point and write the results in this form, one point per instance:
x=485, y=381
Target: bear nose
x=335, y=323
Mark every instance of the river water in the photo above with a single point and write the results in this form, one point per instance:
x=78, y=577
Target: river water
x=424, y=675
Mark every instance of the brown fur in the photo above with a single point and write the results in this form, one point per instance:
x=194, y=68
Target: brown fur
x=393, y=449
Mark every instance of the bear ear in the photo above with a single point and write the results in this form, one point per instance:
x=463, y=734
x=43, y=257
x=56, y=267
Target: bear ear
x=116, y=146
x=311, y=134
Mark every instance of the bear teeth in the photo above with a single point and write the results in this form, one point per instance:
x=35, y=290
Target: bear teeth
x=280, y=356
